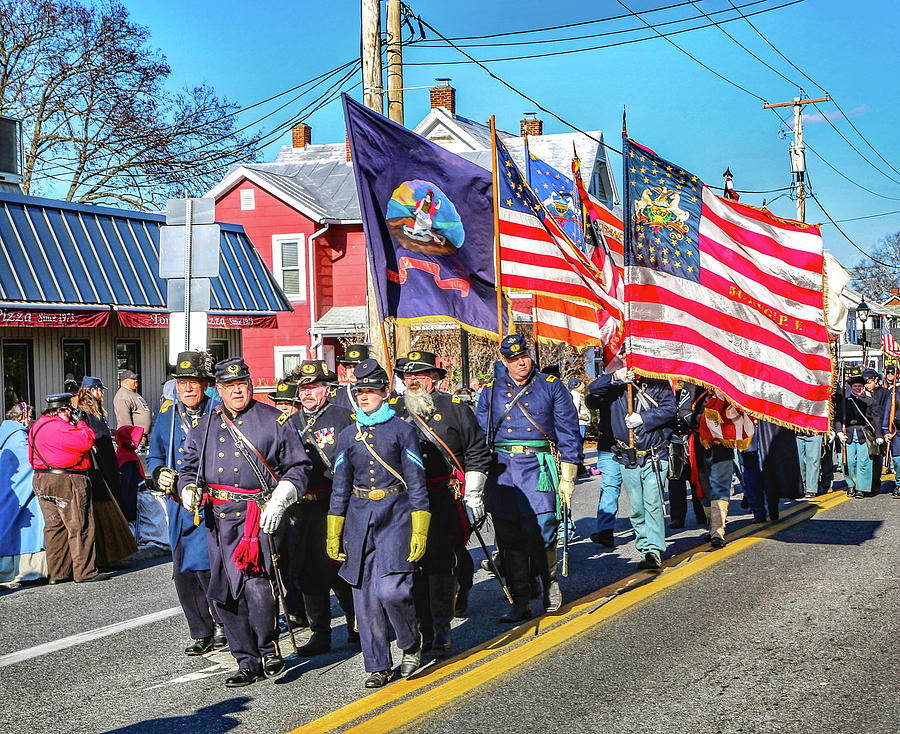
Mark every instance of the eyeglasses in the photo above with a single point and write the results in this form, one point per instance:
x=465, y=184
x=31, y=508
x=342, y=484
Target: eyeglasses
x=233, y=386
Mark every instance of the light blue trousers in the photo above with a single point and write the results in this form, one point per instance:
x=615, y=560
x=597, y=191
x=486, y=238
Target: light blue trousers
x=644, y=497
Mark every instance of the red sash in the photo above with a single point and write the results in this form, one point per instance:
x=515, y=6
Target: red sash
x=246, y=555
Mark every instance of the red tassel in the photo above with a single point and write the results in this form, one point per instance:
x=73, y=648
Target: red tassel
x=246, y=556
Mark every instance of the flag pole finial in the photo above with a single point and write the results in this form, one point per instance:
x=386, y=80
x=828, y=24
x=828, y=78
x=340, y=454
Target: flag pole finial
x=624, y=124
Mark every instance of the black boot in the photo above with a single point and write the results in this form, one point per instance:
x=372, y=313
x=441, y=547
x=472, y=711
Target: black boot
x=441, y=594
x=318, y=612
x=552, y=592
x=518, y=577
x=423, y=608
x=219, y=639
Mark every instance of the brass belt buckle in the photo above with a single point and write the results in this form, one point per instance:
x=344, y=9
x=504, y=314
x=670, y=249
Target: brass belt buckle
x=376, y=494
x=517, y=449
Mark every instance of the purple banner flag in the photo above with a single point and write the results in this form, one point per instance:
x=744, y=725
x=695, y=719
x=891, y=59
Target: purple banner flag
x=427, y=215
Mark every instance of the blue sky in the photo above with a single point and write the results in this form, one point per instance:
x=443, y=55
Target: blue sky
x=249, y=51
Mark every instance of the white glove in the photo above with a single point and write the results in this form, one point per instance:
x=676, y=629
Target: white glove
x=623, y=375
x=166, y=479
x=633, y=420
x=831, y=435
x=190, y=497
x=879, y=440
x=283, y=496
x=842, y=436
x=474, y=495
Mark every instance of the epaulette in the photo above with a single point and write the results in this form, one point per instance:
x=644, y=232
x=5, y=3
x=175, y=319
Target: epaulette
x=353, y=416
x=282, y=419
x=166, y=404
x=195, y=422
x=550, y=378
x=455, y=399
x=393, y=401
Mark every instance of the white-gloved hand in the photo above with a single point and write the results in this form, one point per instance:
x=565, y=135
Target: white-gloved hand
x=633, y=420
x=623, y=375
x=842, y=436
x=166, y=479
x=190, y=497
x=283, y=496
x=831, y=435
x=879, y=440
x=474, y=495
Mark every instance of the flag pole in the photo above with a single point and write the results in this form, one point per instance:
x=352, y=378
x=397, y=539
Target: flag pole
x=496, y=227
x=626, y=239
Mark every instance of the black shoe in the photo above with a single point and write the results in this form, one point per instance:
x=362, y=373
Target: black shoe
x=758, y=518
x=379, y=678
x=849, y=491
x=676, y=524
x=873, y=493
x=895, y=494
x=244, y=677
x=718, y=542
x=519, y=612
x=54, y=582
x=809, y=495
x=650, y=562
x=318, y=644
x=91, y=579
x=553, y=597
x=409, y=663
x=773, y=515
x=462, y=603
x=858, y=495
x=604, y=537
x=707, y=537
x=218, y=639
x=273, y=665
x=200, y=647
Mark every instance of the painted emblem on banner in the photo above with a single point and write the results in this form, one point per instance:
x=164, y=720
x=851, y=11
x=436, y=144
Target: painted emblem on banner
x=423, y=219
x=660, y=208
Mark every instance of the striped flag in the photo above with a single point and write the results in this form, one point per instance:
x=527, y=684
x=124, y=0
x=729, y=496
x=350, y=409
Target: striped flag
x=537, y=257
x=723, y=294
x=888, y=345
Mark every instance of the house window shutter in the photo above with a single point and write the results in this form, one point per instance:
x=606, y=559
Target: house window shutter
x=248, y=199
x=290, y=268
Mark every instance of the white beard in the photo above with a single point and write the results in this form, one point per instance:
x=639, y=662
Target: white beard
x=418, y=401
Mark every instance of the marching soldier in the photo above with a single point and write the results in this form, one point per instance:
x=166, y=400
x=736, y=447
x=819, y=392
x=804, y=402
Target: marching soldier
x=455, y=455
x=247, y=465
x=890, y=424
x=528, y=416
x=342, y=394
x=645, y=462
x=859, y=427
x=190, y=553
x=880, y=396
x=319, y=423
x=379, y=508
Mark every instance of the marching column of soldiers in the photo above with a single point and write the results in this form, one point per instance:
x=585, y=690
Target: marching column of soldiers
x=352, y=489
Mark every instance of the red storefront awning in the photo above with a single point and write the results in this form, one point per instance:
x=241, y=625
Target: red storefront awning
x=160, y=320
x=41, y=317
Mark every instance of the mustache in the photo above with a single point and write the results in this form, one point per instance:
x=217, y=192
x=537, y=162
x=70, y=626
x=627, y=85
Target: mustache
x=419, y=401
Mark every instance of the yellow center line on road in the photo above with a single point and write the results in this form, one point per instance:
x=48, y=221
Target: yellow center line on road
x=509, y=652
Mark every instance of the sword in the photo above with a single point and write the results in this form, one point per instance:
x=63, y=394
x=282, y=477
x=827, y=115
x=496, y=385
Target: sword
x=281, y=599
x=657, y=469
x=567, y=515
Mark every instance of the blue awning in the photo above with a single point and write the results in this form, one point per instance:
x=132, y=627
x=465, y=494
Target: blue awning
x=56, y=252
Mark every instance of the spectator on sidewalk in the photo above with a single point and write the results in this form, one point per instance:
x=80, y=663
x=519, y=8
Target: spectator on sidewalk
x=129, y=406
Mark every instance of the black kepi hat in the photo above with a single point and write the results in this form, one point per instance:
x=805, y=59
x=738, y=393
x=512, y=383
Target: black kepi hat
x=314, y=370
x=370, y=374
x=231, y=369
x=420, y=362
x=191, y=364
x=285, y=392
x=59, y=400
x=354, y=354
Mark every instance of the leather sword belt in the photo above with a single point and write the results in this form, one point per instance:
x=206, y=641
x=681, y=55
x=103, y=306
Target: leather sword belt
x=436, y=484
x=621, y=446
x=60, y=471
x=378, y=493
x=219, y=494
x=540, y=447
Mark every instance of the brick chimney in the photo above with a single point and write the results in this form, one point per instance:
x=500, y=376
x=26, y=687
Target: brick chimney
x=895, y=292
x=443, y=95
x=531, y=125
x=349, y=157
x=302, y=135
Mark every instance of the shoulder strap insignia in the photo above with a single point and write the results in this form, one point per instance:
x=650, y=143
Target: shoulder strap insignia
x=550, y=378
x=489, y=384
x=455, y=399
x=393, y=401
x=195, y=422
x=166, y=404
x=353, y=416
x=282, y=419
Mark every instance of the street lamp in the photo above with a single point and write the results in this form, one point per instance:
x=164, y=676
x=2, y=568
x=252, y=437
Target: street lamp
x=862, y=312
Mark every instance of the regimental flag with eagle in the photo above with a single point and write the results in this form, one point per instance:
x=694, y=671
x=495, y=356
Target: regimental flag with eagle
x=558, y=194
x=723, y=294
x=571, y=301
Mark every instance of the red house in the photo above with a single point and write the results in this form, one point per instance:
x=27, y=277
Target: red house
x=302, y=214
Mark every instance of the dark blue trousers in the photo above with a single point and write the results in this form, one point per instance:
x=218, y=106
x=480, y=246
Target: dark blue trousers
x=191, y=587
x=250, y=623
x=379, y=600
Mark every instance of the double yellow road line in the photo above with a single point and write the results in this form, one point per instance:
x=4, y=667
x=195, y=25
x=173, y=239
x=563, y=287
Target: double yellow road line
x=405, y=701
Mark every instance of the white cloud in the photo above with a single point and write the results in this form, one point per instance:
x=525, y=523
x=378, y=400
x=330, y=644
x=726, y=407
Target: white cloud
x=835, y=115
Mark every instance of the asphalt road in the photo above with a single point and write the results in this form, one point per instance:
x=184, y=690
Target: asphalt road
x=795, y=633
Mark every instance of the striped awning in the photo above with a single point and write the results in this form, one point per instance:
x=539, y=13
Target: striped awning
x=56, y=252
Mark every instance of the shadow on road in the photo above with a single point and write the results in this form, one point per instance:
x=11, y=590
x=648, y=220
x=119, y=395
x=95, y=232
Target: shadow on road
x=831, y=532
x=212, y=719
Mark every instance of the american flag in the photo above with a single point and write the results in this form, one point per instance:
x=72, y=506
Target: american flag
x=888, y=345
x=537, y=257
x=724, y=294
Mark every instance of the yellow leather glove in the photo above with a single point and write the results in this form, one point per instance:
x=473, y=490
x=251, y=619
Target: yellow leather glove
x=334, y=530
x=567, y=473
x=421, y=519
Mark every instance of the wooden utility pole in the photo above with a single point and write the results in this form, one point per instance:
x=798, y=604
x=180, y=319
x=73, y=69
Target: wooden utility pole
x=372, y=98
x=798, y=151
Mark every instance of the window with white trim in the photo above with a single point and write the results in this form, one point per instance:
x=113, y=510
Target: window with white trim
x=289, y=264
x=287, y=358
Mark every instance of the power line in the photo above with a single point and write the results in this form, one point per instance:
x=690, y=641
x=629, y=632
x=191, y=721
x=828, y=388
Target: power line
x=590, y=48
x=868, y=216
x=837, y=227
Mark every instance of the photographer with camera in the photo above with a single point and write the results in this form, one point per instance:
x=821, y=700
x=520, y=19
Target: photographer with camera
x=59, y=448
x=642, y=413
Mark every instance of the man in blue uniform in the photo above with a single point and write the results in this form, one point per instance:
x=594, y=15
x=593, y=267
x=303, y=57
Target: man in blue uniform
x=379, y=509
x=319, y=424
x=645, y=461
x=890, y=422
x=247, y=465
x=528, y=417
x=455, y=456
x=880, y=398
x=342, y=394
x=190, y=555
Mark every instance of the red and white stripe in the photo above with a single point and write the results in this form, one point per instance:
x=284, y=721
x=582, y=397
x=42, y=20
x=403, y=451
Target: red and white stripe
x=888, y=345
x=754, y=325
x=572, y=322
